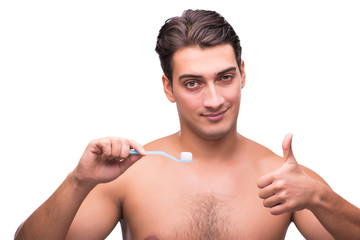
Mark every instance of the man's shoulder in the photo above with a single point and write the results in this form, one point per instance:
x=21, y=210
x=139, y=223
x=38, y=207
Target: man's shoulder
x=149, y=163
x=262, y=157
x=160, y=143
x=139, y=172
x=257, y=148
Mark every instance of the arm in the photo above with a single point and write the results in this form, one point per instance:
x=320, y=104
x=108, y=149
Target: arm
x=316, y=207
x=53, y=218
x=339, y=217
x=99, y=212
x=103, y=161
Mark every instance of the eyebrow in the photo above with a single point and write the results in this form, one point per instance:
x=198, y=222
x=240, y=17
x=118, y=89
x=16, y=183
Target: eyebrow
x=199, y=76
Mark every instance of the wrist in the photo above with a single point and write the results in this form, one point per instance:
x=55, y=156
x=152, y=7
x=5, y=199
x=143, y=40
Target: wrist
x=80, y=183
x=320, y=195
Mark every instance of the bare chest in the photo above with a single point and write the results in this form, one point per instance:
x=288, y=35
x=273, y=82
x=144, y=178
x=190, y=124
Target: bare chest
x=223, y=208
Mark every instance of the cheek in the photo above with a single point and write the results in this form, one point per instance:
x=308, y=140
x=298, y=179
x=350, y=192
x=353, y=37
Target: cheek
x=232, y=94
x=188, y=102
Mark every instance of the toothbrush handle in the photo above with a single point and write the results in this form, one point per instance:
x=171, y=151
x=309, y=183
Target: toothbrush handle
x=133, y=151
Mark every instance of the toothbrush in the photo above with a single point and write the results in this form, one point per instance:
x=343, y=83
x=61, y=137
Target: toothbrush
x=184, y=157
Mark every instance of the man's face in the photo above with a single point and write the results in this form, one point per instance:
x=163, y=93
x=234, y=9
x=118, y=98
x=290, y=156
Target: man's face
x=207, y=89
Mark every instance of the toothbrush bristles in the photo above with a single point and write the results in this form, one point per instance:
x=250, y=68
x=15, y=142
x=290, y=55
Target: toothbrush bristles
x=186, y=156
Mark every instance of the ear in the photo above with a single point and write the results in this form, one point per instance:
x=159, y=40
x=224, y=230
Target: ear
x=243, y=74
x=168, y=89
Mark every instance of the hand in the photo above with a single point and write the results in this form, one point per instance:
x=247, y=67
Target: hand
x=106, y=159
x=289, y=188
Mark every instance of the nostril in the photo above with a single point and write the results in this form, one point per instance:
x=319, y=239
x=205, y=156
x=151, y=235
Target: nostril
x=213, y=102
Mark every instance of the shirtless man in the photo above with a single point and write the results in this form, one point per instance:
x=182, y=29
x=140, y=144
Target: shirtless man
x=234, y=189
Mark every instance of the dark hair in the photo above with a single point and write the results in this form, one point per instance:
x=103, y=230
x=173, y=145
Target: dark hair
x=194, y=28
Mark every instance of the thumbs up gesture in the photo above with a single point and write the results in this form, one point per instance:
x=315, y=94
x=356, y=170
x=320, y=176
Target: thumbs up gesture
x=287, y=149
x=288, y=188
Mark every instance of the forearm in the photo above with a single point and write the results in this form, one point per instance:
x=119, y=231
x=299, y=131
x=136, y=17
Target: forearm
x=53, y=218
x=340, y=218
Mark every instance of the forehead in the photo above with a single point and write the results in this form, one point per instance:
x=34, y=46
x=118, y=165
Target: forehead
x=203, y=61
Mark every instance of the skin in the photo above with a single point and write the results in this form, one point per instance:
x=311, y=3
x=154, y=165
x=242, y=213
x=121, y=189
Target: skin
x=234, y=189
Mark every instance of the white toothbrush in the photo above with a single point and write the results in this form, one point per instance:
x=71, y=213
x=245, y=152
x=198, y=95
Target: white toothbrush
x=184, y=157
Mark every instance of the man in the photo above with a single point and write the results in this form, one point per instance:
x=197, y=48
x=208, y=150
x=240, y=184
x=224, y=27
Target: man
x=226, y=193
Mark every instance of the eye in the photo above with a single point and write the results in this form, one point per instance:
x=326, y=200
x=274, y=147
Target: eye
x=227, y=77
x=191, y=84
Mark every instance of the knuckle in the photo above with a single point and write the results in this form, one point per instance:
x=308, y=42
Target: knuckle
x=125, y=141
x=94, y=142
x=278, y=185
x=289, y=205
x=283, y=195
x=120, y=140
x=104, y=141
x=276, y=175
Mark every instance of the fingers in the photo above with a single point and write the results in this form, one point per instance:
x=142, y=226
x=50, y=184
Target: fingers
x=271, y=192
x=272, y=201
x=278, y=204
x=275, y=199
x=103, y=148
x=278, y=189
x=117, y=147
x=265, y=180
x=113, y=148
x=279, y=209
x=267, y=192
x=133, y=157
x=138, y=147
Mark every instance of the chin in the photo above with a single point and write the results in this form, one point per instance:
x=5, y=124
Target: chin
x=214, y=134
x=210, y=131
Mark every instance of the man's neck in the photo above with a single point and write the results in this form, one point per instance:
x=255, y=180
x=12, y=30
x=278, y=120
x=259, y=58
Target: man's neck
x=204, y=148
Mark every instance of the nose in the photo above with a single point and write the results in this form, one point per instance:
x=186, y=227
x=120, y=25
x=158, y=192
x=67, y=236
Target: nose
x=212, y=97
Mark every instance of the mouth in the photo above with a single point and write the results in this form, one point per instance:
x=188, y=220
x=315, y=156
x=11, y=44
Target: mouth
x=214, y=117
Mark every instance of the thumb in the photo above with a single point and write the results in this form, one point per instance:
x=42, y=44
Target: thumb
x=287, y=149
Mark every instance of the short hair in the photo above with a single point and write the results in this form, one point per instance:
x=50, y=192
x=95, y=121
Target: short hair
x=194, y=28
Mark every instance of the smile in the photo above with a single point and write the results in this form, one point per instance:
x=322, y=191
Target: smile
x=213, y=117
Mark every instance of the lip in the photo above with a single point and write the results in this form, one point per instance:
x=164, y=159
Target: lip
x=214, y=117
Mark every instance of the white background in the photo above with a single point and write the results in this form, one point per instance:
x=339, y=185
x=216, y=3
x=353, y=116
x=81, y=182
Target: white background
x=72, y=71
